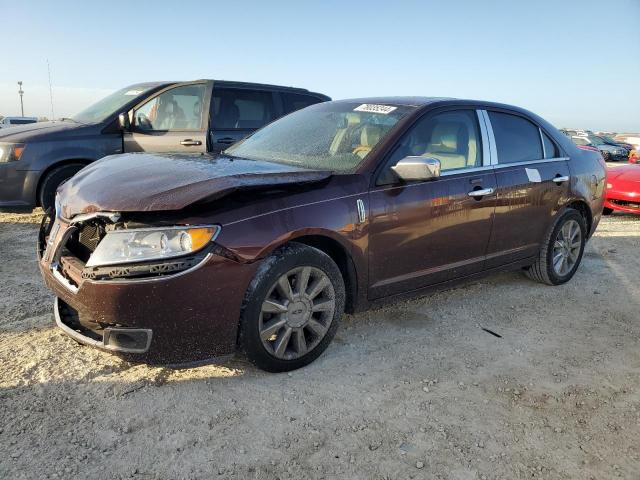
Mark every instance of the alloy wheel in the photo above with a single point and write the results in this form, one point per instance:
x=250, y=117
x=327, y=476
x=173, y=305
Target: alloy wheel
x=566, y=248
x=297, y=312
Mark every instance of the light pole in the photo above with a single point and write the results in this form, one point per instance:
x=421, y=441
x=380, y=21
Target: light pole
x=20, y=92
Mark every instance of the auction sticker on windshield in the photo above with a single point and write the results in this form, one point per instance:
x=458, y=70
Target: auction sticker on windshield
x=371, y=108
x=133, y=92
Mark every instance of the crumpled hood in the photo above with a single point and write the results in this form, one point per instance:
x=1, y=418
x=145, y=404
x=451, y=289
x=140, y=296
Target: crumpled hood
x=37, y=131
x=142, y=182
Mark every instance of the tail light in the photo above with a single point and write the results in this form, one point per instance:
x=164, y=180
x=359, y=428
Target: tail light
x=587, y=147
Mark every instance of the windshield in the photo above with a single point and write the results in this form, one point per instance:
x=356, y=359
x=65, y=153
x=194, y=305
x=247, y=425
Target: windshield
x=334, y=136
x=597, y=141
x=100, y=110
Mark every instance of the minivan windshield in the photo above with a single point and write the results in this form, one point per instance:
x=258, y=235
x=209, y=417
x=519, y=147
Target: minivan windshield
x=102, y=109
x=335, y=136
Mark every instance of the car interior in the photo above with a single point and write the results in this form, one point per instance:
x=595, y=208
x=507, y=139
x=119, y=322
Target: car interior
x=451, y=138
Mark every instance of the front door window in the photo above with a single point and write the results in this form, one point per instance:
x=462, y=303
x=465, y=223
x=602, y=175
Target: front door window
x=177, y=109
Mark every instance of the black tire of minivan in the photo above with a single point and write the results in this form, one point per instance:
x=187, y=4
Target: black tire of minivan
x=543, y=270
x=51, y=182
x=283, y=261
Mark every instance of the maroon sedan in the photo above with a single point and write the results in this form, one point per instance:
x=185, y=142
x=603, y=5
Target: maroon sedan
x=623, y=189
x=177, y=258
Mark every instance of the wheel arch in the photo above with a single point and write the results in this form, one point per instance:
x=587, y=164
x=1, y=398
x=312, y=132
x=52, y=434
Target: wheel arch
x=340, y=254
x=53, y=166
x=582, y=207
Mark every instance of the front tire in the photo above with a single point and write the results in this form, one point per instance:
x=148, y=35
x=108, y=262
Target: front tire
x=292, y=308
x=607, y=211
x=52, y=180
x=561, y=251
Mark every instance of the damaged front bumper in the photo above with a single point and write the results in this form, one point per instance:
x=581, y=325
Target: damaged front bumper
x=114, y=339
x=170, y=318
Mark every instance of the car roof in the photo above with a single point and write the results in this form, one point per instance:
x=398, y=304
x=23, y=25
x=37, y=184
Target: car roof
x=234, y=83
x=421, y=102
x=237, y=84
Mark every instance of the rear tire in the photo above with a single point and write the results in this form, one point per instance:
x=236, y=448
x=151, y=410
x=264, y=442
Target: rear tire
x=292, y=308
x=52, y=180
x=561, y=250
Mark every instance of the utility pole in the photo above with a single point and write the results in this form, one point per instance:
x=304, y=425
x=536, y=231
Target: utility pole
x=20, y=92
x=50, y=90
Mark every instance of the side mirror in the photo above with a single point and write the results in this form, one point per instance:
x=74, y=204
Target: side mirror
x=417, y=168
x=123, y=121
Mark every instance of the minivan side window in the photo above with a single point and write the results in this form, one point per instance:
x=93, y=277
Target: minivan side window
x=296, y=101
x=241, y=109
x=451, y=137
x=517, y=139
x=177, y=109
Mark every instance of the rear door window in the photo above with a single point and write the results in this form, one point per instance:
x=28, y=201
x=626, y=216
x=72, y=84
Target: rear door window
x=296, y=101
x=241, y=109
x=517, y=139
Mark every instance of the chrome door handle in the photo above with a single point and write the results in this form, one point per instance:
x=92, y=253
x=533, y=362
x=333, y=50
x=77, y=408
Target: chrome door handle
x=559, y=180
x=480, y=193
x=190, y=143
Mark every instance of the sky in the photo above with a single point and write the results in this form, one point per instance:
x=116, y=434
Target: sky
x=574, y=62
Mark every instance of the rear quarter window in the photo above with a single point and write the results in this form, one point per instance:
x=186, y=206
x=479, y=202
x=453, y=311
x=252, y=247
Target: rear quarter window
x=550, y=149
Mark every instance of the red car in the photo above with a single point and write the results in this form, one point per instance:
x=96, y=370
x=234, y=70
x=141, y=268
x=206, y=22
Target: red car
x=623, y=189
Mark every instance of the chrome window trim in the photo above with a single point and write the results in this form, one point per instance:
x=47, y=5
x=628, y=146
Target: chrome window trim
x=447, y=173
x=492, y=138
x=531, y=162
x=504, y=165
x=544, y=150
x=486, y=150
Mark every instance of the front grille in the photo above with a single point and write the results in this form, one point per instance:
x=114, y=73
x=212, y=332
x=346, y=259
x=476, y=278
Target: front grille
x=625, y=203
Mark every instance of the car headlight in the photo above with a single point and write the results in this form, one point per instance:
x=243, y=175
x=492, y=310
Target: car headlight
x=143, y=244
x=10, y=152
x=609, y=185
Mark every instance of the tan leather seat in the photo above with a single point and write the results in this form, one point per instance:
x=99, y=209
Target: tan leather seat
x=453, y=146
x=340, y=140
x=369, y=138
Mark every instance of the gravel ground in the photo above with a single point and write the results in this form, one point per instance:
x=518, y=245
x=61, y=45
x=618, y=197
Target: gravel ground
x=414, y=390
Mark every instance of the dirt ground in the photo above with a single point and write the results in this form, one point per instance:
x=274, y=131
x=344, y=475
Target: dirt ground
x=414, y=390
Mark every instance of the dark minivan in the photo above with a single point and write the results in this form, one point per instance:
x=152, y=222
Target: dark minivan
x=177, y=258
x=200, y=116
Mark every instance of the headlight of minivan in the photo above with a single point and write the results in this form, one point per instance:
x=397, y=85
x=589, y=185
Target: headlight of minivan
x=144, y=244
x=10, y=152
